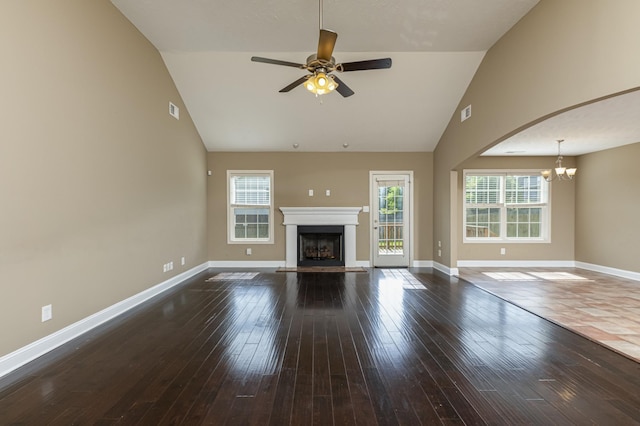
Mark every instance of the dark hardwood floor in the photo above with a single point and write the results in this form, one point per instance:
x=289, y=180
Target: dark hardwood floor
x=383, y=347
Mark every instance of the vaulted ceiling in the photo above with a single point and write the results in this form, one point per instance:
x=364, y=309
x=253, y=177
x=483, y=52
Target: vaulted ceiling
x=435, y=45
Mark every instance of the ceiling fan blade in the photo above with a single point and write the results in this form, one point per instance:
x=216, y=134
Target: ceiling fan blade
x=326, y=43
x=295, y=84
x=277, y=62
x=371, y=64
x=342, y=88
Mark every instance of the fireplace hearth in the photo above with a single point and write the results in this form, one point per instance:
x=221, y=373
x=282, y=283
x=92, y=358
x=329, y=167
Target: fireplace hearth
x=320, y=246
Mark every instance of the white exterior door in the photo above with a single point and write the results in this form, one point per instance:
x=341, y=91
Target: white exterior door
x=390, y=218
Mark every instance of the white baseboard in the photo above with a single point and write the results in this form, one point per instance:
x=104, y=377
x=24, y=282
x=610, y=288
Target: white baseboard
x=516, y=264
x=610, y=271
x=445, y=269
x=33, y=350
x=263, y=263
x=422, y=263
x=246, y=264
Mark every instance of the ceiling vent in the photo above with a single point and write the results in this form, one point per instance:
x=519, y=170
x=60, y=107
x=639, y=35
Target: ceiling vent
x=465, y=113
x=174, y=111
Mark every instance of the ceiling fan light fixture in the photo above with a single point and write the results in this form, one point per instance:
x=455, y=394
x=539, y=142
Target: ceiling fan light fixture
x=321, y=83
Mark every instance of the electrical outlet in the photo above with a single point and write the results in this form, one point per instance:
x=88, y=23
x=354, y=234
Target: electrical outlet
x=439, y=253
x=327, y=192
x=47, y=313
x=311, y=193
x=503, y=251
x=183, y=261
x=248, y=252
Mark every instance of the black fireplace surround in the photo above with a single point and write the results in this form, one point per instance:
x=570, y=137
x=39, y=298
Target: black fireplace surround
x=321, y=245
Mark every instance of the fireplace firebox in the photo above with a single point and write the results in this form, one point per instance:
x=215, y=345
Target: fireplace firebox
x=320, y=245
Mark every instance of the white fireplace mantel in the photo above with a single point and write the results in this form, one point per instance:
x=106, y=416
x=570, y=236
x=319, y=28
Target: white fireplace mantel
x=346, y=216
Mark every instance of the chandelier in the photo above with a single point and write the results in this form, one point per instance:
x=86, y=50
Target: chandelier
x=559, y=171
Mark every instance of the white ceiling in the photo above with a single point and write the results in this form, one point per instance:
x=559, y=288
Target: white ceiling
x=594, y=127
x=436, y=47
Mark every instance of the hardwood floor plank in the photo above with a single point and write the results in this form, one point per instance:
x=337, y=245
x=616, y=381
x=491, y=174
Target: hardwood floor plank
x=302, y=413
x=381, y=401
x=322, y=410
x=264, y=400
x=341, y=402
x=283, y=400
x=321, y=374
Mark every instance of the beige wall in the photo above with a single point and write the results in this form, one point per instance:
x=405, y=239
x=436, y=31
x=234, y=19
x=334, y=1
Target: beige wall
x=561, y=246
x=100, y=187
x=561, y=54
x=345, y=174
x=608, y=208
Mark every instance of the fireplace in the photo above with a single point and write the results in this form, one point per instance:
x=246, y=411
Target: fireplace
x=320, y=246
x=344, y=217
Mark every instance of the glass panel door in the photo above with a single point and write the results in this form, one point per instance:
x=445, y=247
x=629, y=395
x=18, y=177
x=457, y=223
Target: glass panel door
x=390, y=220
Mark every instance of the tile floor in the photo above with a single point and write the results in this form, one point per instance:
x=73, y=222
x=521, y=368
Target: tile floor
x=600, y=307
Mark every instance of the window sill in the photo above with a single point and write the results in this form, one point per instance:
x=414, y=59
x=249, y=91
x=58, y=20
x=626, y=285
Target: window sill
x=247, y=242
x=507, y=241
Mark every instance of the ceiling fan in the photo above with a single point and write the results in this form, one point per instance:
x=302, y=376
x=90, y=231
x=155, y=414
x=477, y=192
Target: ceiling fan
x=322, y=64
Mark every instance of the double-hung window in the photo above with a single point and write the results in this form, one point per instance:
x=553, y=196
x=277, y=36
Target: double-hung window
x=250, y=217
x=505, y=206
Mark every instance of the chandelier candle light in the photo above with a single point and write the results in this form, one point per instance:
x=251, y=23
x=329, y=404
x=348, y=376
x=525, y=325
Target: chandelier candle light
x=561, y=172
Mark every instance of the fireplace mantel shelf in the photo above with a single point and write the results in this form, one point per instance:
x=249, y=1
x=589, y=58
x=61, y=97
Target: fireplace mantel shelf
x=320, y=215
x=346, y=216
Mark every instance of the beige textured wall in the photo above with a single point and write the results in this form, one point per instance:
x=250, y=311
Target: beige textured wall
x=99, y=185
x=345, y=174
x=561, y=54
x=561, y=246
x=608, y=208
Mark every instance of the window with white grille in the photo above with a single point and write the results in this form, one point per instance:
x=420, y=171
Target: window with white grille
x=250, y=194
x=505, y=206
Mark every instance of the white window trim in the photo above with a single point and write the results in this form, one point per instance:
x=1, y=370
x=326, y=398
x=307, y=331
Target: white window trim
x=230, y=207
x=546, y=223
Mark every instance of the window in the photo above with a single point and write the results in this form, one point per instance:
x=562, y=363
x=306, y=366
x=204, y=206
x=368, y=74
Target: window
x=505, y=206
x=250, y=218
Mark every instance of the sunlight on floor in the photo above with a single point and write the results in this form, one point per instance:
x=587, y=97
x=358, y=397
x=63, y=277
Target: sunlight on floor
x=233, y=276
x=534, y=276
x=510, y=276
x=563, y=276
x=401, y=277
